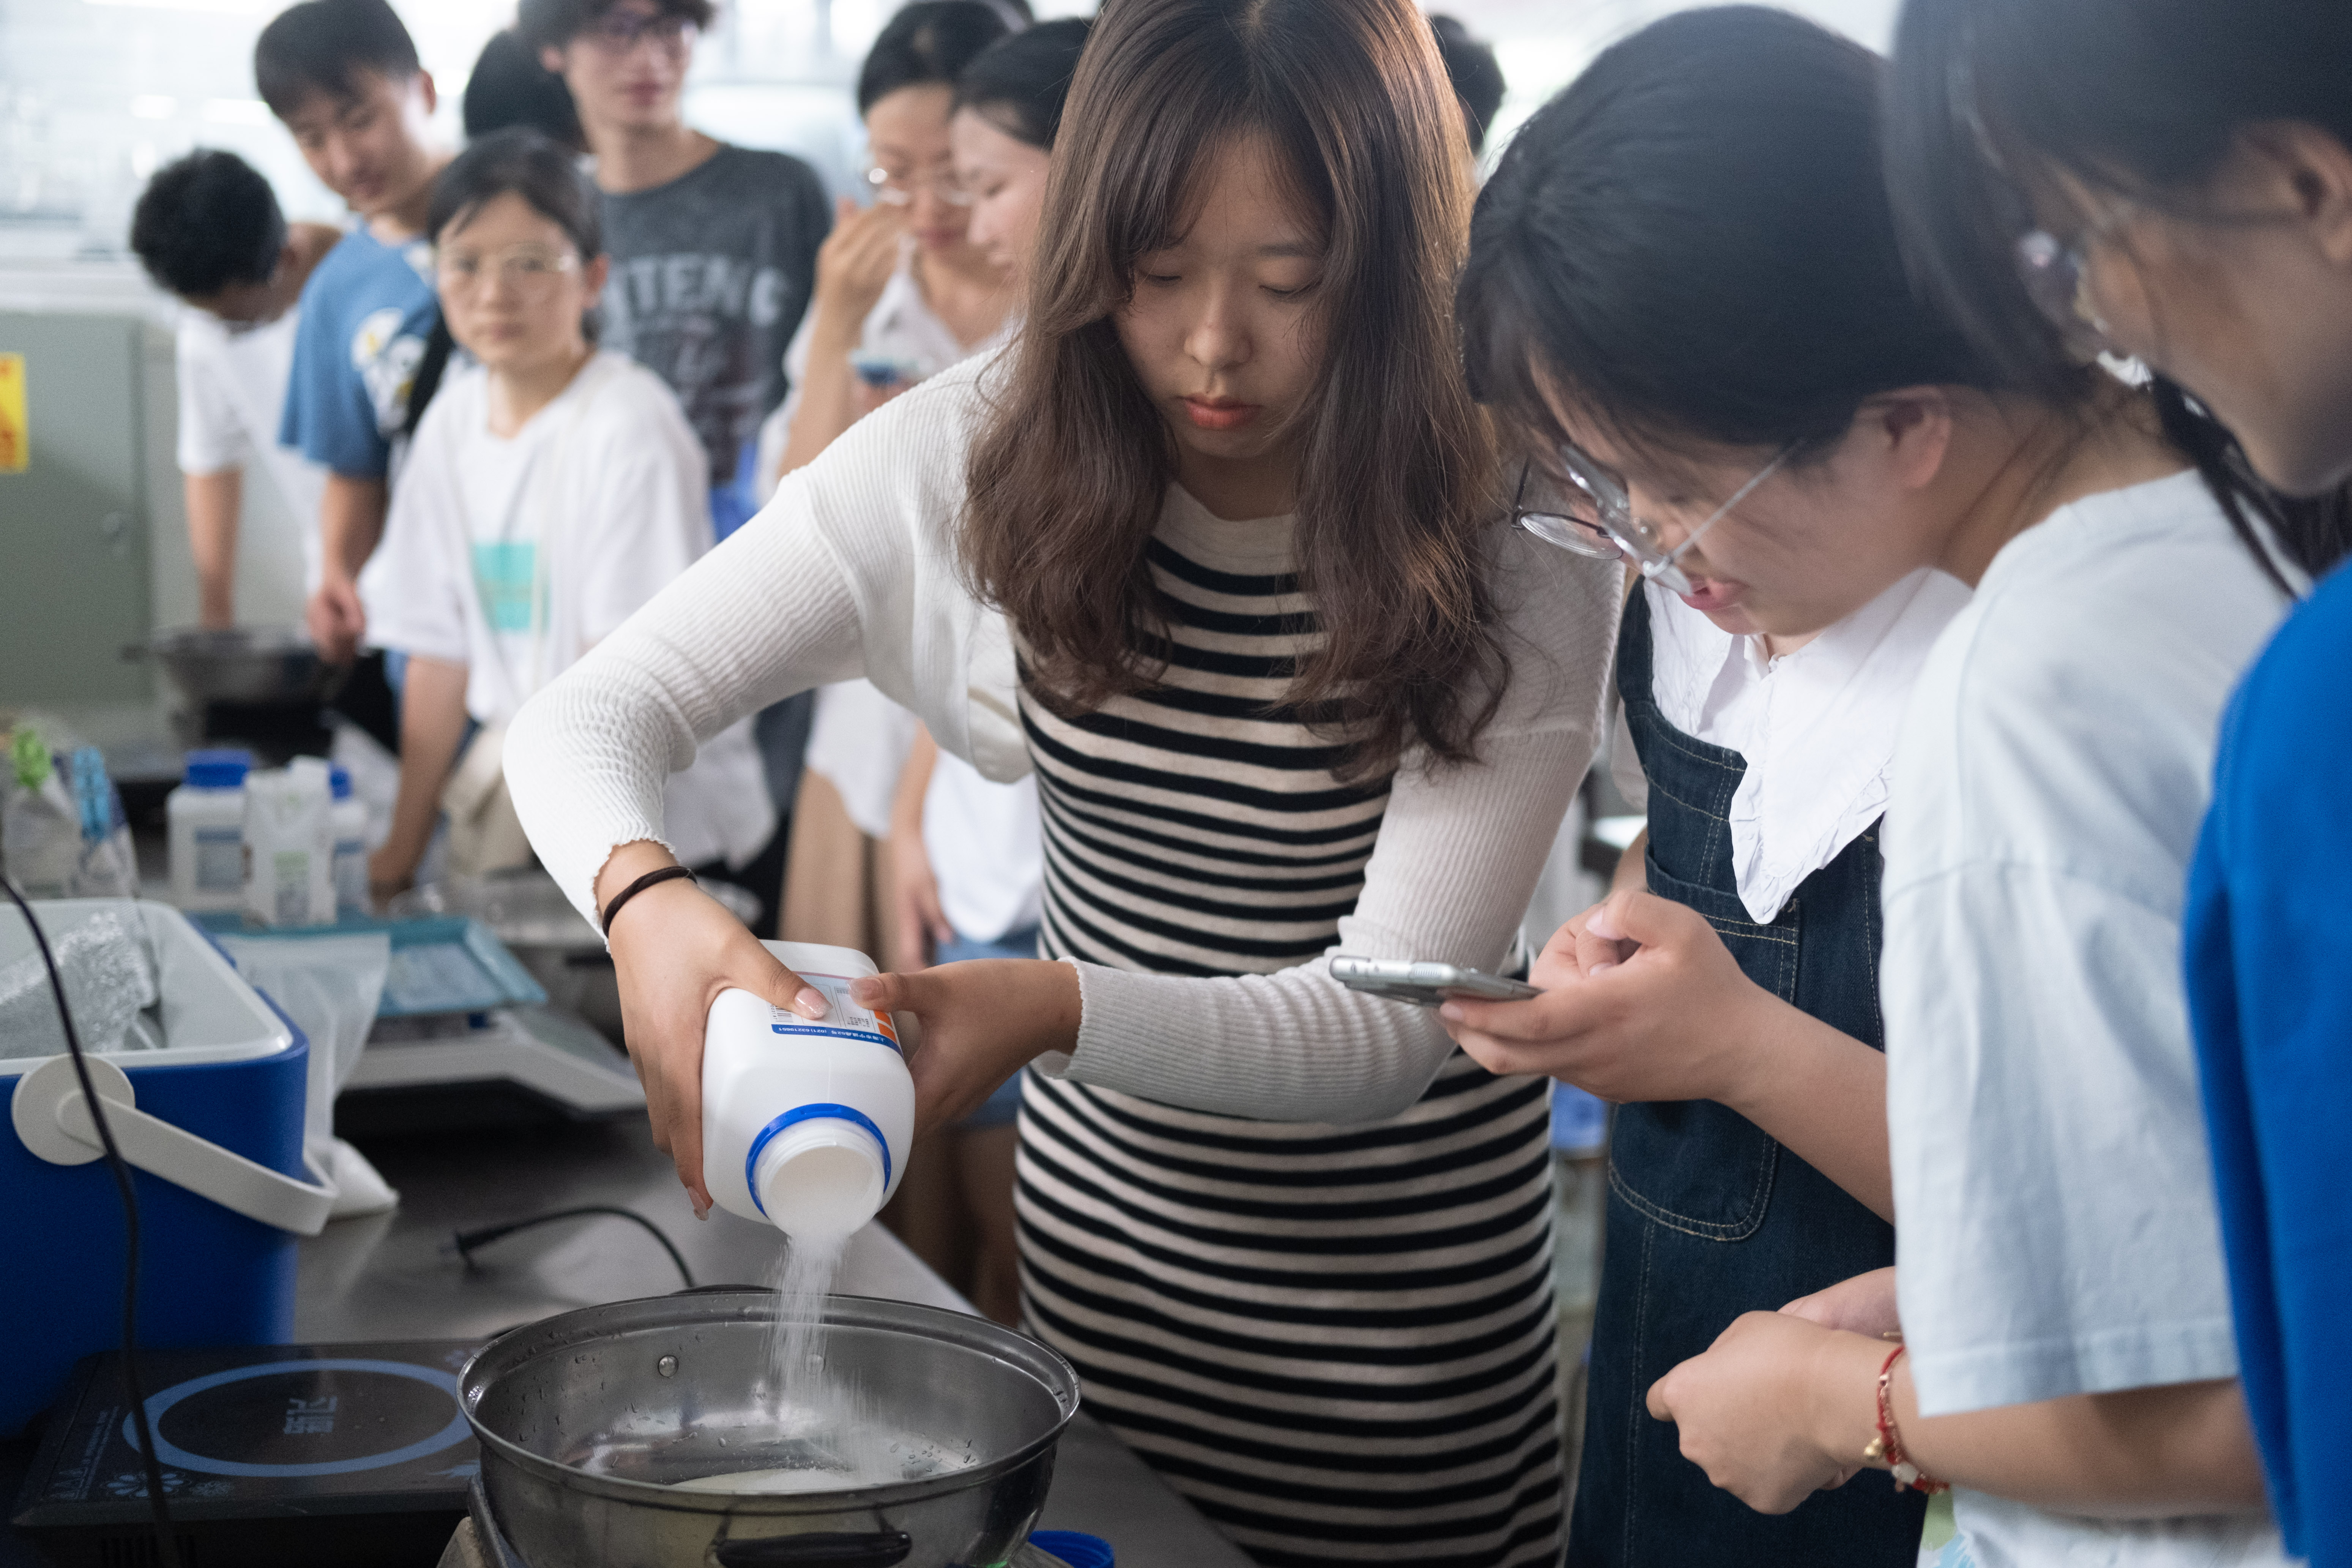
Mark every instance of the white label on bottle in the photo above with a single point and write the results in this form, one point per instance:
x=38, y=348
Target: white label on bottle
x=220, y=859
x=842, y=1017
x=292, y=868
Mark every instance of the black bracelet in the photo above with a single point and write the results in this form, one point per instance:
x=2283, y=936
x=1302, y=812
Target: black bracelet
x=666, y=874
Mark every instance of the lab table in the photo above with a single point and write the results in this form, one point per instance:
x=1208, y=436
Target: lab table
x=397, y=1276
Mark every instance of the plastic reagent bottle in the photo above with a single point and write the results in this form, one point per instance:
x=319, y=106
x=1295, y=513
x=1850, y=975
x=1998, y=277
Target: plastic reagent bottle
x=347, y=826
x=805, y=1124
x=288, y=855
x=206, y=823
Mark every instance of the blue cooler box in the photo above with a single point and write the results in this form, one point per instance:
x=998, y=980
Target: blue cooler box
x=233, y=1070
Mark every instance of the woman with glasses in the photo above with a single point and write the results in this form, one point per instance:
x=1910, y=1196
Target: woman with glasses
x=552, y=488
x=2213, y=241
x=901, y=291
x=2063, y=1355
x=1689, y=407
x=901, y=294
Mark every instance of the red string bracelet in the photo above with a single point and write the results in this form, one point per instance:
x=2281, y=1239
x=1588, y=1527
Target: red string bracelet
x=1888, y=1444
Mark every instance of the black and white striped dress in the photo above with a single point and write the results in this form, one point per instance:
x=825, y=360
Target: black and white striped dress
x=1337, y=1341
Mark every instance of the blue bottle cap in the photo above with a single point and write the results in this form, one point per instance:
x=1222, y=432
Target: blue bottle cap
x=1077, y=1550
x=221, y=769
x=339, y=781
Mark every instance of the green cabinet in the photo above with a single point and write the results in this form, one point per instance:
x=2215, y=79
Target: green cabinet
x=74, y=525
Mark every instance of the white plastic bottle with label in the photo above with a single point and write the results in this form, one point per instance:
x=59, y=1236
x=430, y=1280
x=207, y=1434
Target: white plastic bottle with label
x=205, y=825
x=805, y=1124
x=288, y=855
x=347, y=830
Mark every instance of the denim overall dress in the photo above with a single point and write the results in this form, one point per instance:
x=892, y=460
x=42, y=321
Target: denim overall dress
x=1708, y=1218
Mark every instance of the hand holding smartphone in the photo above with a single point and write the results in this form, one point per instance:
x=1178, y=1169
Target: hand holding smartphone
x=880, y=372
x=1424, y=982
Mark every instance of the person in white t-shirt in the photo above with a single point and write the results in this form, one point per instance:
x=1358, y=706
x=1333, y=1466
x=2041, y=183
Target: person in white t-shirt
x=208, y=229
x=551, y=491
x=1785, y=433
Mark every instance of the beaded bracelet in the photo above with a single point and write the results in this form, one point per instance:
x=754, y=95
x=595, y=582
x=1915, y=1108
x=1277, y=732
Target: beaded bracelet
x=1888, y=1444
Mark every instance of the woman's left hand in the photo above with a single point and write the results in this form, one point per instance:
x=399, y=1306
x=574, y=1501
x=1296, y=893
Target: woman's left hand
x=1744, y=1409
x=983, y=1021
x=1641, y=1002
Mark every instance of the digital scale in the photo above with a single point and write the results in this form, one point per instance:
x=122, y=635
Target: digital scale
x=273, y=1457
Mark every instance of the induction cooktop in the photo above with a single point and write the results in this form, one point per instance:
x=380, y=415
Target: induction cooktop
x=273, y=1457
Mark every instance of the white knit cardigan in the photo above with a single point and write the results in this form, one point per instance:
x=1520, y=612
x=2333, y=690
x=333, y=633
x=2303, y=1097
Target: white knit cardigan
x=850, y=570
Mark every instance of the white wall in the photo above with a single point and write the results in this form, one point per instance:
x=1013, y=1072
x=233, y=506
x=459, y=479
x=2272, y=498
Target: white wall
x=95, y=94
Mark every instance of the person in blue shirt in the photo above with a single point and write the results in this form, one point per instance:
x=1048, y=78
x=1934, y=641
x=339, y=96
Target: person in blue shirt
x=344, y=78
x=2171, y=180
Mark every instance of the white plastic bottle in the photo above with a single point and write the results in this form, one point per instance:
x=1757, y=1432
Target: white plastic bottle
x=347, y=828
x=289, y=856
x=204, y=818
x=804, y=1124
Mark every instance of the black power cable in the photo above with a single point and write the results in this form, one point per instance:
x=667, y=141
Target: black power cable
x=466, y=1240
x=167, y=1549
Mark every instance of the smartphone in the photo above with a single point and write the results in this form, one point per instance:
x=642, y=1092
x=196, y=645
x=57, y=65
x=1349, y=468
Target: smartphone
x=1423, y=983
x=880, y=372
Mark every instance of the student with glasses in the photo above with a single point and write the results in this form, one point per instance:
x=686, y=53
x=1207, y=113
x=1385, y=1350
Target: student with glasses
x=1761, y=694
x=714, y=246
x=2064, y=1359
x=714, y=257
x=2175, y=180
x=552, y=488
x=901, y=291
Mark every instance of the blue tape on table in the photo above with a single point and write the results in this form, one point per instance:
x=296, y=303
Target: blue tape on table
x=1077, y=1550
x=440, y=963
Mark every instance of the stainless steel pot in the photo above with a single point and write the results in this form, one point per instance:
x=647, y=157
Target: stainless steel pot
x=242, y=664
x=587, y=1419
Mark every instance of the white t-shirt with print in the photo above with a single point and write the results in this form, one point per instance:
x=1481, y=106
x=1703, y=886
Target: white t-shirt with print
x=232, y=387
x=513, y=556
x=2058, y=1232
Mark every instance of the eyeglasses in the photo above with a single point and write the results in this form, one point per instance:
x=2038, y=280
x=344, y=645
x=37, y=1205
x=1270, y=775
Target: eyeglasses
x=897, y=188
x=529, y=271
x=1594, y=516
x=2057, y=280
x=618, y=33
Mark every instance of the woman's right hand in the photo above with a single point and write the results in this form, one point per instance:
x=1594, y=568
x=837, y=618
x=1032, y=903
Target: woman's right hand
x=855, y=263
x=675, y=949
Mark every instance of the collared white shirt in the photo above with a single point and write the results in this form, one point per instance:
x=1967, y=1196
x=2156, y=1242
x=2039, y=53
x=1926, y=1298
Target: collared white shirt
x=1817, y=726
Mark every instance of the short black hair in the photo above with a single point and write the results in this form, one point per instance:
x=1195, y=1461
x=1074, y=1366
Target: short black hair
x=1019, y=84
x=319, y=46
x=521, y=161
x=551, y=24
x=929, y=42
x=1477, y=79
x=509, y=87
x=205, y=222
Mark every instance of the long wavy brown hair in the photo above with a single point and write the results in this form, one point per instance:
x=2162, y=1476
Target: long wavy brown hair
x=1396, y=490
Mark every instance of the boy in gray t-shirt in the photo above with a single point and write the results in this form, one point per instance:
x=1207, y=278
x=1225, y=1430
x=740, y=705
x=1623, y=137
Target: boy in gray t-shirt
x=713, y=246
x=714, y=257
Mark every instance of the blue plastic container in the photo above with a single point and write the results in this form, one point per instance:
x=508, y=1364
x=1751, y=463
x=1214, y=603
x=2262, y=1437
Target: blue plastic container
x=234, y=1071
